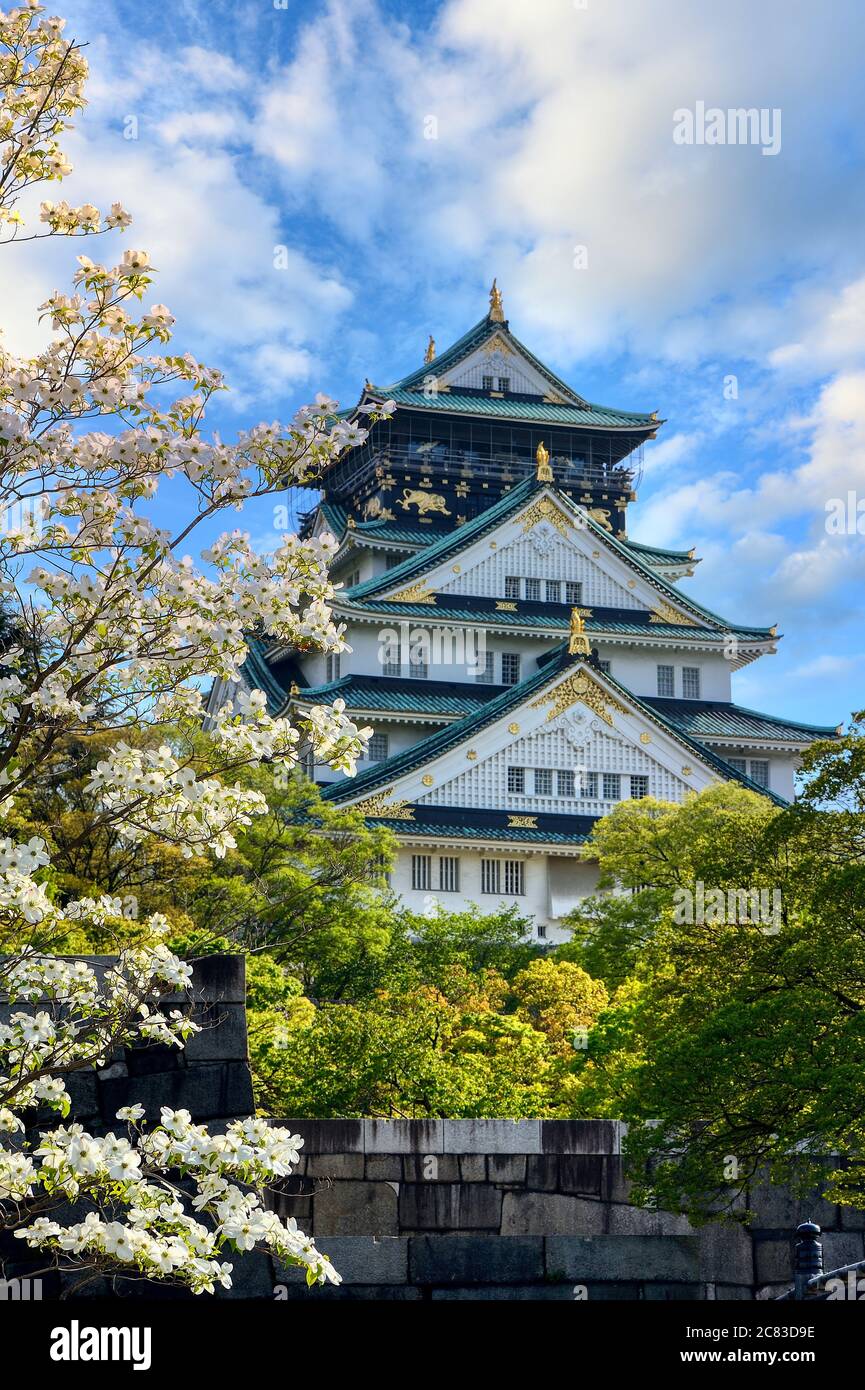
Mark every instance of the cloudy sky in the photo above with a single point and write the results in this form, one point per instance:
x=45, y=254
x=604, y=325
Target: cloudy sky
x=404, y=153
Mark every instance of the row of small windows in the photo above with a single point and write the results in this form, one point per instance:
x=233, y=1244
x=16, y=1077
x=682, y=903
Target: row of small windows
x=510, y=668
x=590, y=786
x=505, y=877
x=690, y=682
x=488, y=383
x=554, y=590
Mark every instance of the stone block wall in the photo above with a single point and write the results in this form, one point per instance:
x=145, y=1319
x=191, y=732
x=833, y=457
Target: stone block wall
x=528, y=1209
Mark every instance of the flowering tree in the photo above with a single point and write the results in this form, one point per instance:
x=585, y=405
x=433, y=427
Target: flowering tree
x=115, y=627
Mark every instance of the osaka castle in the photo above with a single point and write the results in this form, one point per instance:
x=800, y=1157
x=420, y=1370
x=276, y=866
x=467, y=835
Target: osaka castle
x=524, y=665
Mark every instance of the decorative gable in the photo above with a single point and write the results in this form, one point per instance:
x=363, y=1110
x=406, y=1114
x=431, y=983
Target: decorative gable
x=498, y=361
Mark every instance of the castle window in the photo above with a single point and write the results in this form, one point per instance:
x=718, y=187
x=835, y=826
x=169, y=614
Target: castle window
x=573, y=592
x=504, y=383
x=487, y=382
x=391, y=561
x=542, y=931
x=565, y=783
x=515, y=878
x=332, y=666
x=419, y=670
x=589, y=785
x=760, y=772
x=377, y=748
x=666, y=680
x=612, y=786
x=449, y=873
x=487, y=675
x=490, y=875
x=510, y=668
x=421, y=872
x=740, y=764
x=691, y=682
x=391, y=668
x=605, y=667
x=543, y=781
x=512, y=586
x=379, y=872
x=554, y=591
x=516, y=779
x=639, y=787
x=533, y=589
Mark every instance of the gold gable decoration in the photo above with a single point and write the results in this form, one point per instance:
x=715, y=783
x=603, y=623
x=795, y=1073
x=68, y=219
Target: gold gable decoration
x=580, y=688
x=522, y=822
x=545, y=509
x=379, y=806
x=666, y=613
x=415, y=593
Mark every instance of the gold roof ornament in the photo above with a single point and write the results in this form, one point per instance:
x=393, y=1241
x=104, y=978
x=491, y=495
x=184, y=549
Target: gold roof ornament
x=294, y=688
x=542, y=458
x=578, y=644
x=430, y=349
x=497, y=308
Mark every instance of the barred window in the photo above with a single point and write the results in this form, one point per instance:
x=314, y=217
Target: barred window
x=533, y=589
x=449, y=873
x=487, y=383
x=504, y=383
x=515, y=885
x=666, y=680
x=488, y=674
x=421, y=872
x=333, y=666
x=554, y=591
x=510, y=668
x=573, y=592
x=760, y=772
x=612, y=786
x=565, y=783
x=516, y=779
x=391, y=561
x=639, y=787
x=543, y=781
x=542, y=930
x=380, y=870
x=419, y=670
x=691, y=682
x=512, y=586
x=391, y=668
x=490, y=875
x=740, y=764
x=606, y=667
x=589, y=784
x=378, y=746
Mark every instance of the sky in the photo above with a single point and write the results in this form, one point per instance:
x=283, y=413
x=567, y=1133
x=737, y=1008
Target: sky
x=323, y=183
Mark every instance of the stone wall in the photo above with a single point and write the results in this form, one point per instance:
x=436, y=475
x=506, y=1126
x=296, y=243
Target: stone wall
x=528, y=1209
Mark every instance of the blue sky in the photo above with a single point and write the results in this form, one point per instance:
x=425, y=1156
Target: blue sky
x=307, y=127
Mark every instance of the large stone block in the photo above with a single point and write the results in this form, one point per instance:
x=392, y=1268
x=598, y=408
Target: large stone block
x=673, y=1293
x=773, y=1261
x=671, y=1259
x=473, y=1167
x=403, y=1136
x=348, y=1293
x=581, y=1173
x=841, y=1248
x=222, y=1036
x=776, y=1209
x=581, y=1136
x=550, y=1213
x=383, y=1167
x=636, y=1221
x=492, y=1136
x=506, y=1293
x=355, y=1209
x=726, y=1254
x=330, y=1167
x=469, y=1260
x=327, y=1136
x=220, y=979
x=358, y=1259
x=252, y=1276
x=204, y=1090
x=507, y=1168
x=449, y=1207
x=430, y=1167
x=542, y=1172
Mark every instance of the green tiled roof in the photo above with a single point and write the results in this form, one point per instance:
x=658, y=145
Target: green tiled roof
x=512, y=408
x=653, y=553
x=395, y=695
x=454, y=541
x=461, y=830
x=409, y=389
x=258, y=674
x=400, y=533
x=715, y=719
x=454, y=734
